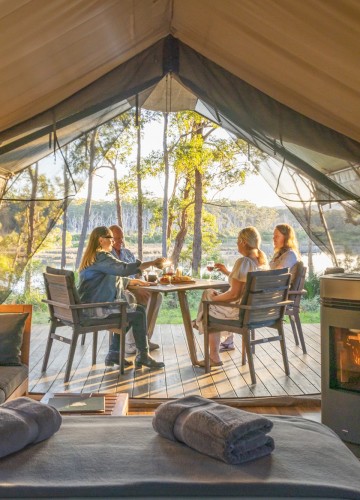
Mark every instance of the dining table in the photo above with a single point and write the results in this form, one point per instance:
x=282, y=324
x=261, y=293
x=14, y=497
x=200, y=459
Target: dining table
x=181, y=289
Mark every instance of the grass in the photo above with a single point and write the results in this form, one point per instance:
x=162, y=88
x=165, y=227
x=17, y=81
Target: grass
x=173, y=316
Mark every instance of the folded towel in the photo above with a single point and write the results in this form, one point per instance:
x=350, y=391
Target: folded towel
x=228, y=434
x=24, y=421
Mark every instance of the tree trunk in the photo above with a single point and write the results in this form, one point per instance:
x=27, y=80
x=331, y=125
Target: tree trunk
x=118, y=199
x=183, y=224
x=197, y=242
x=30, y=241
x=87, y=210
x=64, y=217
x=140, y=195
x=166, y=187
x=310, y=258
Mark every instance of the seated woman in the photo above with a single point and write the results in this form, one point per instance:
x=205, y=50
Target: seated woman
x=253, y=259
x=286, y=251
x=100, y=280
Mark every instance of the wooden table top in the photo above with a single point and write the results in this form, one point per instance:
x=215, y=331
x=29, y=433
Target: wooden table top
x=196, y=284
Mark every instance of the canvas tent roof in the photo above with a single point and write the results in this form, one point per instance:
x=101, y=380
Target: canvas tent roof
x=304, y=55
x=281, y=74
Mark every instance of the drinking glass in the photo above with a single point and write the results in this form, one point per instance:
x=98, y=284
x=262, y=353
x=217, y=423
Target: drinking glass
x=210, y=267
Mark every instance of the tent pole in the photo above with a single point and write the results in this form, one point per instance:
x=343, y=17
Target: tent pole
x=323, y=220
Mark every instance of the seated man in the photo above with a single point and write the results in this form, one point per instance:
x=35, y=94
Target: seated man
x=142, y=295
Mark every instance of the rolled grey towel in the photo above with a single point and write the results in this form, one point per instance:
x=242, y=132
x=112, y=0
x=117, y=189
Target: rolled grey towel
x=228, y=434
x=24, y=421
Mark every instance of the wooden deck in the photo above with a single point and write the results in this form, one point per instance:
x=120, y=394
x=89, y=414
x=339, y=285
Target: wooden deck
x=180, y=378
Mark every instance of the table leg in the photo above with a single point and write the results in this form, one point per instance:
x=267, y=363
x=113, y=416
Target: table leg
x=185, y=311
x=151, y=316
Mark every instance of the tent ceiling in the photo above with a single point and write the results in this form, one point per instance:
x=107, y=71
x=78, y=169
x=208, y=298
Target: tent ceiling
x=303, y=54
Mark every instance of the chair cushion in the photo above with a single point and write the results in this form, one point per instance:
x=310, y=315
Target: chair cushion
x=11, y=377
x=11, y=334
x=109, y=321
x=229, y=322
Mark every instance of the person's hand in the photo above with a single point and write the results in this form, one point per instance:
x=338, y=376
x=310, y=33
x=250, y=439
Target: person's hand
x=159, y=263
x=222, y=268
x=212, y=294
x=136, y=282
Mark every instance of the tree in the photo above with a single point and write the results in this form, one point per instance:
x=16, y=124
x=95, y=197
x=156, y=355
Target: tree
x=90, y=141
x=165, y=210
x=116, y=158
x=202, y=161
x=34, y=175
x=64, y=217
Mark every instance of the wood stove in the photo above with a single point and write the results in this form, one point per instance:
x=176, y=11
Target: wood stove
x=340, y=354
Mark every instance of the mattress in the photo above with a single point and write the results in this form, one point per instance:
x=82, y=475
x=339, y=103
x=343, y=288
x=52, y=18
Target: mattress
x=124, y=457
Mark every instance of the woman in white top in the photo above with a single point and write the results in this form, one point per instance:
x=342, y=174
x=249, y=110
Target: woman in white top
x=253, y=259
x=286, y=251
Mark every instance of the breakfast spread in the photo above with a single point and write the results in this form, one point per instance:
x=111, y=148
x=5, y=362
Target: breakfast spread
x=176, y=278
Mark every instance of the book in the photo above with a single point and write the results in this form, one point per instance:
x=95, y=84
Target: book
x=70, y=404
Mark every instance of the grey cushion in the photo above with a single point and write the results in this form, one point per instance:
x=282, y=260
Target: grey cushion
x=2, y=396
x=11, y=332
x=10, y=379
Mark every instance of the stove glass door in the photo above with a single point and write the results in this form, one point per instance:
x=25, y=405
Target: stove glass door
x=344, y=359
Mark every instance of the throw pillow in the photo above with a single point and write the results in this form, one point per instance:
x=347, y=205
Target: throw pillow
x=11, y=333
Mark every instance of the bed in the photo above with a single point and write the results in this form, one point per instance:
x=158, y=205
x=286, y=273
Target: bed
x=124, y=457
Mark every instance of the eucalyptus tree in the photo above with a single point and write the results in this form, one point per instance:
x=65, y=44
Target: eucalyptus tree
x=28, y=221
x=89, y=154
x=116, y=157
x=206, y=163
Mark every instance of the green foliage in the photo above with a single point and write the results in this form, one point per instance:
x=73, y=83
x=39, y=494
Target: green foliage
x=312, y=286
x=310, y=305
x=351, y=262
x=34, y=298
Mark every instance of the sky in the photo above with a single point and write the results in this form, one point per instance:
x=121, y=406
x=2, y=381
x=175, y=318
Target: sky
x=255, y=189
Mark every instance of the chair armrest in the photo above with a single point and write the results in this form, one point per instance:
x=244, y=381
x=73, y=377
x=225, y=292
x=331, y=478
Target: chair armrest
x=84, y=306
x=297, y=292
x=99, y=304
x=240, y=306
x=220, y=303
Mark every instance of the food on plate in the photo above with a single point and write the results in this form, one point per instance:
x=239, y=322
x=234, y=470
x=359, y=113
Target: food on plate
x=165, y=279
x=181, y=279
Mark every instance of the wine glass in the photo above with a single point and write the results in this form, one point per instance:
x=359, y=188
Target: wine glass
x=210, y=267
x=170, y=271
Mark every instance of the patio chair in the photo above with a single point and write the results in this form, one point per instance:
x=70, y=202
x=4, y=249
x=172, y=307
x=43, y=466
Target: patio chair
x=263, y=305
x=293, y=310
x=66, y=309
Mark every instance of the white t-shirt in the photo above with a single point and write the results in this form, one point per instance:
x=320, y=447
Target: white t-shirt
x=241, y=268
x=287, y=259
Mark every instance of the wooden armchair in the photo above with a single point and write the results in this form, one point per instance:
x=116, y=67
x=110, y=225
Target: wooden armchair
x=263, y=305
x=66, y=309
x=296, y=292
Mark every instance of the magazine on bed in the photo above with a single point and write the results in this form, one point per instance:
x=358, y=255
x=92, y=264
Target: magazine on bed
x=79, y=403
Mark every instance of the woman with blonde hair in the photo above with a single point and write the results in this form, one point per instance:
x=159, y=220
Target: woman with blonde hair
x=102, y=278
x=286, y=249
x=253, y=259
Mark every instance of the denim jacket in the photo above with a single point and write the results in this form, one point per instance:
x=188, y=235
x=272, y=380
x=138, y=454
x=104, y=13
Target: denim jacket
x=99, y=282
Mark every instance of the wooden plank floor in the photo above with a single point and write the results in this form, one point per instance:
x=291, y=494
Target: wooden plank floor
x=180, y=378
